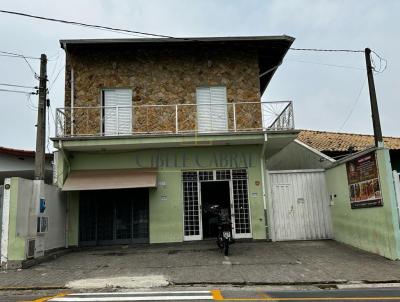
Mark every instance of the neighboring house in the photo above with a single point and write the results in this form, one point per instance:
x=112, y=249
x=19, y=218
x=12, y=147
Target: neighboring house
x=21, y=163
x=25, y=230
x=337, y=145
x=156, y=131
x=319, y=149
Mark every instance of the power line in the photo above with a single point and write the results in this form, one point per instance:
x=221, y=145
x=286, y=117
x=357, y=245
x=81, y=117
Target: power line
x=29, y=104
x=382, y=61
x=88, y=25
x=380, y=69
x=325, y=50
x=55, y=64
x=326, y=64
x=25, y=58
x=19, y=86
x=17, y=91
x=52, y=115
x=55, y=79
x=127, y=31
x=10, y=56
x=353, y=106
x=13, y=54
x=55, y=56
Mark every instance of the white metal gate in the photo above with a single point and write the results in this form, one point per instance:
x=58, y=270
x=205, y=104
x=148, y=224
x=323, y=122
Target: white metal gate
x=396, y=179
x=1, y=209
x=299, y=205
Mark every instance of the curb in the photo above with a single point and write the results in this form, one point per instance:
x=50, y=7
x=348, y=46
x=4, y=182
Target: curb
x=245, y=283
x=9, y=288
x=321, y=284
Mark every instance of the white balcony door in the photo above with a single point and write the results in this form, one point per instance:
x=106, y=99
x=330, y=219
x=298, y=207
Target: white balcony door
x=117, y=113
x=212, y=113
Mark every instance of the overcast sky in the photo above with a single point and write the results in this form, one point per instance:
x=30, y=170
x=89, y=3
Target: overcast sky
x=324, y=96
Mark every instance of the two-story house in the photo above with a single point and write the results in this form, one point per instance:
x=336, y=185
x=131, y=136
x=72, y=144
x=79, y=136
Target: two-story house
x=156, y=131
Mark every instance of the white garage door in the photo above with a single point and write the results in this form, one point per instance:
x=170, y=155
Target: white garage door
x=299, y=205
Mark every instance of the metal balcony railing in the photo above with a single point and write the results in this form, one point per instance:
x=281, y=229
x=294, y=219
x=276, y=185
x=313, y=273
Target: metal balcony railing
x=174, y=119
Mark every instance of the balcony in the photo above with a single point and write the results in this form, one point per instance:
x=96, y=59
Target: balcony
x=174, y=119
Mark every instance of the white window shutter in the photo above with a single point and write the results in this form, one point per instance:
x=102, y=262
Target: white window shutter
x=212, y=115
x=219, y=113
x=203, y=97
x=117, y=111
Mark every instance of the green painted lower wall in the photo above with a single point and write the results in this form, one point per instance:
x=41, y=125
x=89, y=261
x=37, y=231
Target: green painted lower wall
x=372, y=229
x=166, y=216
x=166, y=201
x=16, y=244
x=73, y=218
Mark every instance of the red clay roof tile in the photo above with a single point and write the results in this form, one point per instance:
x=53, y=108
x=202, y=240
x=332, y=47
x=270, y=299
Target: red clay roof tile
x=335, y=141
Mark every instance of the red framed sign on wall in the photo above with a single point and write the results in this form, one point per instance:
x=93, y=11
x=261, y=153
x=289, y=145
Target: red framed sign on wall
x=363, y=181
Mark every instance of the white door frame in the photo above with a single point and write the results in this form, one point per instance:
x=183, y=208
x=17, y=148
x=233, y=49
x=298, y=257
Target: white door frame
x=200, y=201
x=271, y=226
x=200, y=236
x=240, y=235
x=232, y=205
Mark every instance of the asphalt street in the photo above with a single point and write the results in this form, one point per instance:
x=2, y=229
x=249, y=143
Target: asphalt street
x=245, y=294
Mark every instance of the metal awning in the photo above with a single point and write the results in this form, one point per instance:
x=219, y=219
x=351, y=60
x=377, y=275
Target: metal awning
x=110, y=179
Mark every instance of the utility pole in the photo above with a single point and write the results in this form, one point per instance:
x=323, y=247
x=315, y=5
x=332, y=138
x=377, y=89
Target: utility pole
x=41, y=122
x=374, y=105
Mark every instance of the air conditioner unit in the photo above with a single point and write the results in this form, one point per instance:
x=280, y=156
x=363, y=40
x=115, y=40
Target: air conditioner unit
x=30, y=248
x=39, y=246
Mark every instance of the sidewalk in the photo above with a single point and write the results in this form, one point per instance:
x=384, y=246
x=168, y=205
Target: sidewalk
x=200, y=263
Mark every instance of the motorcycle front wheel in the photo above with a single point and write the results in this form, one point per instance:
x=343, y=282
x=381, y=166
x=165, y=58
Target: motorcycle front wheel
x=226, y=247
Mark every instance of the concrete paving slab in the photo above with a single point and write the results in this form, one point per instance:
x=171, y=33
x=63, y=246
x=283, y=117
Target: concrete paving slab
x=202, y=263
x=119, y=282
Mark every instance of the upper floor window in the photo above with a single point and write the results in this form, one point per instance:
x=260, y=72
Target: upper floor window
x=117, y=111
x=212, y=113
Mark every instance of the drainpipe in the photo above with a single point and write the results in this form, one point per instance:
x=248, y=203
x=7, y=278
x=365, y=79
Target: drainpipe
x=262, y=159
x=72, y=100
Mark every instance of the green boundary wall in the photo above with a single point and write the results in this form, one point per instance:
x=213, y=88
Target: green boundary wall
x=16, y=244
x=375, y=229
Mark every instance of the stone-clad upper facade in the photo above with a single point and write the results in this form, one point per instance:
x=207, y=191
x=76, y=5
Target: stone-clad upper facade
x=162, y=75
x=165, y=74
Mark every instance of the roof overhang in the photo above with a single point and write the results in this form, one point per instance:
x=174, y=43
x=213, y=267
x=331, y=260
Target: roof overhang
x=116, y=143
x=271, y=49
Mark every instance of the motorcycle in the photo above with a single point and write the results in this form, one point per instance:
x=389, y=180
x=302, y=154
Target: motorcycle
x=224, y=234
